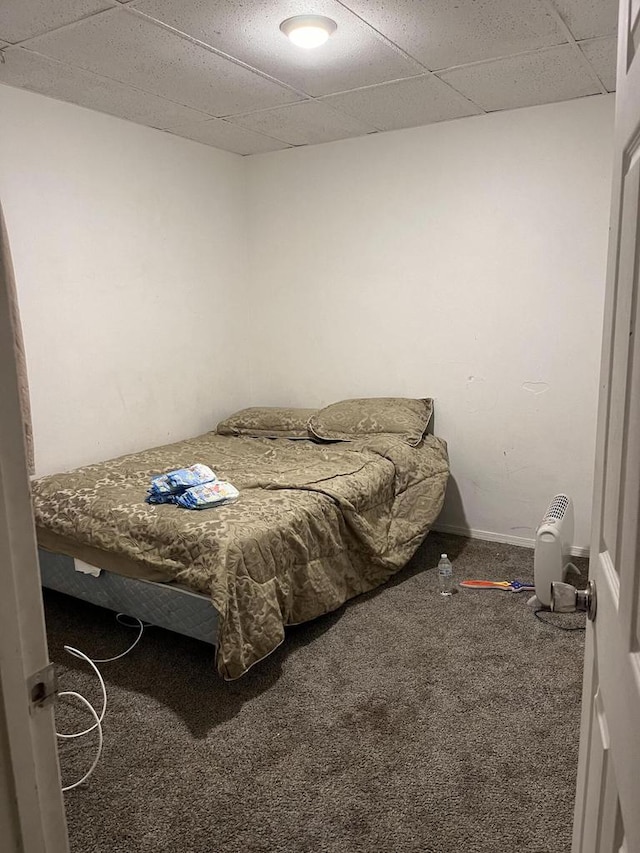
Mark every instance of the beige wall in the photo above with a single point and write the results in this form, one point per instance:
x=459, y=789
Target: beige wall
x=129, y=248
x=463, y=260
x=164, y=284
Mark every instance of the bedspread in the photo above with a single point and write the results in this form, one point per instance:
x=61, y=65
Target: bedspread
x=315, y=524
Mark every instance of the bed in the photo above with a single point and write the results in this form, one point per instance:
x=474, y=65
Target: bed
x=331, y=505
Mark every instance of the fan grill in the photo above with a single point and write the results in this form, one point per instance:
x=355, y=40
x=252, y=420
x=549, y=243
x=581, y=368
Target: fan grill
x=556, y=509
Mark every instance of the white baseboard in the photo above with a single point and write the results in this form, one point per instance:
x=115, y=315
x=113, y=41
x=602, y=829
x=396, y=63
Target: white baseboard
x=488, y=536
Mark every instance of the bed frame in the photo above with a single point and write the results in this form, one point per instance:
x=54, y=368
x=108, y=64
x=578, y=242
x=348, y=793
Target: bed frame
x=164, y=605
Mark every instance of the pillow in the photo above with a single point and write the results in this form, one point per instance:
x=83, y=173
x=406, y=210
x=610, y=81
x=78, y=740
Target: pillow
x=268, y=422
x=350, y=419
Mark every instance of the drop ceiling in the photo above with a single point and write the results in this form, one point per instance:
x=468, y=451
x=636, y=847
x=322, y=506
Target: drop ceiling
x=222, y=73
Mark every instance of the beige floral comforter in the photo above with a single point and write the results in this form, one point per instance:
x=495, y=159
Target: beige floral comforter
x=315, y=524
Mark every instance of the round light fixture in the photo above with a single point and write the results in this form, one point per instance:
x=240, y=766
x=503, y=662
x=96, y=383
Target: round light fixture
x=308, y=30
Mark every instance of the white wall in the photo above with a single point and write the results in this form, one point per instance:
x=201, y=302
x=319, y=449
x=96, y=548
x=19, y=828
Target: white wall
x=129, y=248
x=463, y=261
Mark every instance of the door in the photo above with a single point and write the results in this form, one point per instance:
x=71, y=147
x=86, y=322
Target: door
x=607, y=813
x=31, y=810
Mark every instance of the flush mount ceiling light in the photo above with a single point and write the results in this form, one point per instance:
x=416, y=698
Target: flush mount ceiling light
x=308, y=30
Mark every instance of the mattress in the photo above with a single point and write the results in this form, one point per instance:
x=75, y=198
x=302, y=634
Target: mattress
x=315, y=524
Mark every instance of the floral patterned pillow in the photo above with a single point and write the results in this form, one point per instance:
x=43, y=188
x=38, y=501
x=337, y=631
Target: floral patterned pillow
x=350, y=419
x=268, y=422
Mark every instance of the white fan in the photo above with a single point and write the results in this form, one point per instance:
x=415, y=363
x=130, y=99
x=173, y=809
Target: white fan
x=553, y=547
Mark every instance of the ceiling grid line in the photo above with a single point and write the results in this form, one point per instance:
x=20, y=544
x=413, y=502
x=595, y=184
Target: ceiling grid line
x=115, y=5
x=375, y=86
x=199, y=43
x=235, y=126
x=574, y=44
x=205, y=116
x=381, y=35
x=479, y=62
x=428, y=71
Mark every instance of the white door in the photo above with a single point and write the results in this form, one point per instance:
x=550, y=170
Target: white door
x=31, y=810
x=607, y=814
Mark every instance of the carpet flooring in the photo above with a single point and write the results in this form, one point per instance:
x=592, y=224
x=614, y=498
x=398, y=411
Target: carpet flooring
x=402, y=723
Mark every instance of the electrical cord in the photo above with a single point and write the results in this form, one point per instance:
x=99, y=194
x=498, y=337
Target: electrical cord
x=540, y=610
x=78, y=654
x=99, y=718
x=120, y=617
x=573, y=568
x=98, y=724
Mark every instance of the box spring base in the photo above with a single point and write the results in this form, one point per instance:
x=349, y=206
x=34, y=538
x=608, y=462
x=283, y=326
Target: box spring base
x=164, y=605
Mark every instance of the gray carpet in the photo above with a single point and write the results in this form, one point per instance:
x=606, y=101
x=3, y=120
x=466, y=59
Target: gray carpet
x=402, y=723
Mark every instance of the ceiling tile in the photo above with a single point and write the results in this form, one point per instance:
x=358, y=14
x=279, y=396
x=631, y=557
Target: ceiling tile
x=306, y=123
x=553, y=74
x=354, y=55
x=602, y=54
x=442, y=33
x=230, y=137
x=589, y=18
x=405, y=103
x=137, y=52
x=28, y=70
x=22, y=19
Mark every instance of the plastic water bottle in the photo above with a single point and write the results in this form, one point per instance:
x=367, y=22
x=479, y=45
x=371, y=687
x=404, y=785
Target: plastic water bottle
x=445, y=576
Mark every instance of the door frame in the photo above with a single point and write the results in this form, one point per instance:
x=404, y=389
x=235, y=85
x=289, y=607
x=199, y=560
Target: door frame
x=32, y=817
